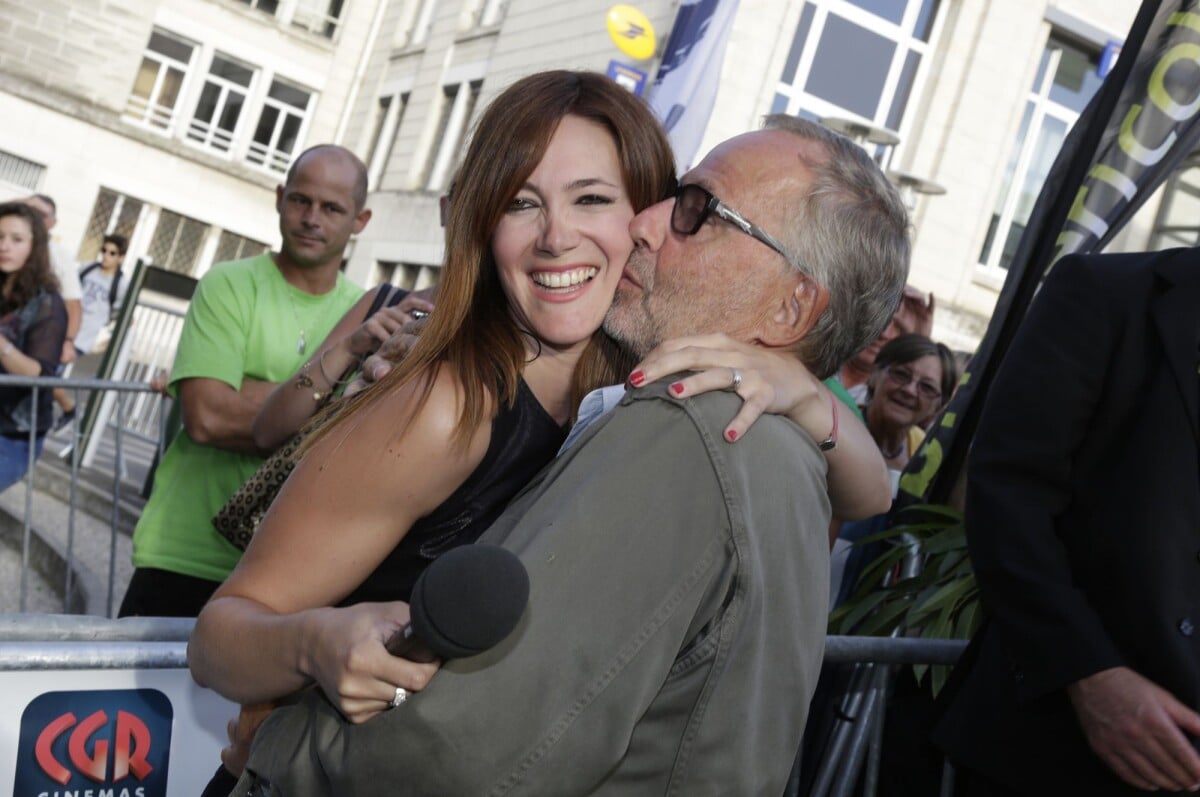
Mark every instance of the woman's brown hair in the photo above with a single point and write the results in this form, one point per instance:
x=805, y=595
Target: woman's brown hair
x=472, y=330
x=19, y=287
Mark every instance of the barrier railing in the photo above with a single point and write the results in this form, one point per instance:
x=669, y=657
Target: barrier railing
x=128, y=655
x=59, y=528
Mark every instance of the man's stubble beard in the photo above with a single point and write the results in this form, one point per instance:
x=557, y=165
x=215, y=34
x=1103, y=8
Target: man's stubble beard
x=629, y=323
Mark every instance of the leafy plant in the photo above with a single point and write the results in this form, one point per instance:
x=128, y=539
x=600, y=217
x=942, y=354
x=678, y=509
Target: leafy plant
x=922, y=585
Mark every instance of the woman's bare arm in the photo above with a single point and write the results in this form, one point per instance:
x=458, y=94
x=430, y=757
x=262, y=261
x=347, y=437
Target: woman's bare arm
x=267, y=631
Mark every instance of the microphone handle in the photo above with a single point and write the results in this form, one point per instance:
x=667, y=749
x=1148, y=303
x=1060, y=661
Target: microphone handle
x=404, y=643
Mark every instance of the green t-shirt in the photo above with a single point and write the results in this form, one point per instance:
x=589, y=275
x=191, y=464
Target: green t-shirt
x=241, y=324
x=835, y=387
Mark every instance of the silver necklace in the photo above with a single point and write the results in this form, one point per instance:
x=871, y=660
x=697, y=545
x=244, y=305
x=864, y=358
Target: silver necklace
x=302, y=341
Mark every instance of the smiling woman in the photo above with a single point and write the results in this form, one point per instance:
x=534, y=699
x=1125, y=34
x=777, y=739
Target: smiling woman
x=912, y=379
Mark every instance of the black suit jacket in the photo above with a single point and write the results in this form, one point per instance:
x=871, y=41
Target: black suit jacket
x=1083, y=517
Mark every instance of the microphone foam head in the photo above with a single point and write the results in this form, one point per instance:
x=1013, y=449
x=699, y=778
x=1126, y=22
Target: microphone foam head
x=469, y=600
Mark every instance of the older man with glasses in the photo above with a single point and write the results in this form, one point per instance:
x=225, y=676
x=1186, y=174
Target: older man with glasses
x=678, y=584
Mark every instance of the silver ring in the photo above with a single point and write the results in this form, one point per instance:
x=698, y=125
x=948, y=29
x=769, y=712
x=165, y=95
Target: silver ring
x=737, y=379
x=399, y=698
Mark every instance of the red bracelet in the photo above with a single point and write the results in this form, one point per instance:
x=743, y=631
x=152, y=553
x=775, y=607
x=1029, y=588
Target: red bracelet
x=830, y=443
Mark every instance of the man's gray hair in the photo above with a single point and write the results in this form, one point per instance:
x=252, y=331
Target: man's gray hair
x=850, y=234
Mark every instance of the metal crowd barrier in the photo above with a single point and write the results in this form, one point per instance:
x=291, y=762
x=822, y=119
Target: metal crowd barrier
x=112, y=433
x=131, y=654
x=73, y=632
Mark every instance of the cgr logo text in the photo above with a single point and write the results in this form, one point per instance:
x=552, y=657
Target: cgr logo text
x=99, y=743
x=132, y=743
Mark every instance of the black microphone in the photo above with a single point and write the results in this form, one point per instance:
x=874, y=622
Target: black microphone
x=467, y=601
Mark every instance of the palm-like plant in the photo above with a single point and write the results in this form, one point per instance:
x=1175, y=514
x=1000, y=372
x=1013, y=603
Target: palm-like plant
x=921, y=586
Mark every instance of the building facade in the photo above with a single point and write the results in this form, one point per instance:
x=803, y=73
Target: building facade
x=978, y=95
x=173, y=120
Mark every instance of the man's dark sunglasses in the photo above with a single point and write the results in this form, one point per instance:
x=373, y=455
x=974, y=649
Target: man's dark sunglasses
x=693, y=205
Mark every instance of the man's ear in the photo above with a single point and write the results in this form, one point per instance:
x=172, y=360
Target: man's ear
x=361, y=220
x=279, y=199
x=797, y=312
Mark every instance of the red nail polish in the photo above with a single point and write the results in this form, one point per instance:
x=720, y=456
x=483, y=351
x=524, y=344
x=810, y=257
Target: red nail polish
x=636, y=378
x=731, y=435
x=677, y=388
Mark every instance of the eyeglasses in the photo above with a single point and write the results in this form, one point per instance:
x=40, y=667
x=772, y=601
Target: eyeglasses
x=693, y=205
x=903, y=377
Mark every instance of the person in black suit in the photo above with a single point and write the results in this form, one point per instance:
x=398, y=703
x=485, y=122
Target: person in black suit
x=1083, y=523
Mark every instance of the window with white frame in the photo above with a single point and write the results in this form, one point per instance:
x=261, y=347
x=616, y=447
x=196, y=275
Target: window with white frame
x=266, y=6
x=415, y=23
x=388, y=115
x=458, y=103
x=856, y=58
x=318, y=16
x=315, y=16
x=482, y=13
x=1067, y=77
x=154, y=101
x=280, y=126
x=222, y=100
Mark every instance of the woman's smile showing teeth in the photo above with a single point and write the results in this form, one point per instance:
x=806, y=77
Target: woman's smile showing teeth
x=564, y=279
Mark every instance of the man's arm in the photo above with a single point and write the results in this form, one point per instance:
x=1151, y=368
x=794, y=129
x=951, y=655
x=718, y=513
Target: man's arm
x=218, y=399
x=1021, y=482
x=215, y=414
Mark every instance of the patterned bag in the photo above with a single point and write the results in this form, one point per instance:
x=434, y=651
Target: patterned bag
x=239, y=518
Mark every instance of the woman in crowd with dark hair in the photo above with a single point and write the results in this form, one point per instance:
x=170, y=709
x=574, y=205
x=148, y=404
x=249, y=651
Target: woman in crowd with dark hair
x=537, y=237
x=33, y=325
x=912, y=379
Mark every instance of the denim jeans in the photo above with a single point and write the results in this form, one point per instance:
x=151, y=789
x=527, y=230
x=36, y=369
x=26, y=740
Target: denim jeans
x=14, y=458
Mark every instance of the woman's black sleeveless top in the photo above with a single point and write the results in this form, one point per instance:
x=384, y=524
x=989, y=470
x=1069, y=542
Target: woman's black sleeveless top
x=524, y=439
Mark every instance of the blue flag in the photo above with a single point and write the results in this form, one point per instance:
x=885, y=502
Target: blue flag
x=686, y=86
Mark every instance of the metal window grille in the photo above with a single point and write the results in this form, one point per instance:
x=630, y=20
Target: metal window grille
x=232, y=246
x=177, y=242
x=112, y=213
x=19, y=171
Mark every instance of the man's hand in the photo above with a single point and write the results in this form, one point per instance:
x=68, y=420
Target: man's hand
x=1138, y=729
x=69, y=355
x=159, y=382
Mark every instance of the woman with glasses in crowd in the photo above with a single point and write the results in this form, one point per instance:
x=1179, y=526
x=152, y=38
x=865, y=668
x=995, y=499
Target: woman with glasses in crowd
x=33, y=325
x=912, y=379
